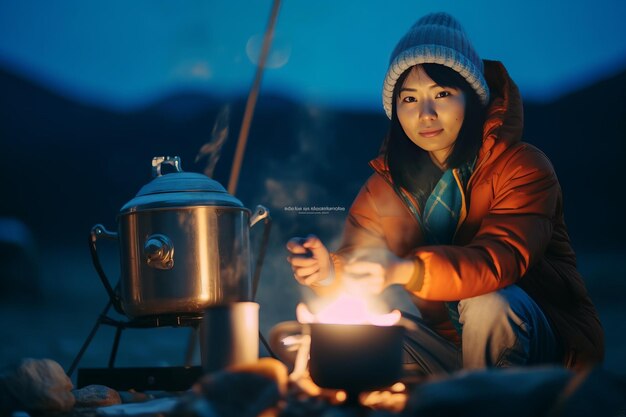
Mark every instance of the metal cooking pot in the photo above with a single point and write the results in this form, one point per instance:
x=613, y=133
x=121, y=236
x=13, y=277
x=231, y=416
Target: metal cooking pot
x=355, y=357
x=352, y=357
x=184, y=245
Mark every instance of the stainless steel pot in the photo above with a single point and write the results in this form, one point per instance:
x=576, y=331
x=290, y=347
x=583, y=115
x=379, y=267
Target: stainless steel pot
x=184, y=245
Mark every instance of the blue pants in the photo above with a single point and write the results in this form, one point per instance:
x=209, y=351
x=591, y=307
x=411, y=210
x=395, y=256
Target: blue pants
x=500, y=329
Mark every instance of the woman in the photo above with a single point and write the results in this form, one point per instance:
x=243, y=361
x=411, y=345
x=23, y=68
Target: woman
x=465, y=216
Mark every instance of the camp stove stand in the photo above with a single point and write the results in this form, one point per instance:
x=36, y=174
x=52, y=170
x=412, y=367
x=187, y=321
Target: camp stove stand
x=178, y=378
x=147, y=378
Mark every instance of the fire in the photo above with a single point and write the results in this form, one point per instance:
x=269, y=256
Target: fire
x=348, y=309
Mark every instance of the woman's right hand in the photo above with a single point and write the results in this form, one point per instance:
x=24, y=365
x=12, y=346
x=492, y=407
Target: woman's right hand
x=309, y=259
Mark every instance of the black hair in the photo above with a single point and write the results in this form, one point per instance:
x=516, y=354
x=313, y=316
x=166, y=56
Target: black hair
x=402, y=154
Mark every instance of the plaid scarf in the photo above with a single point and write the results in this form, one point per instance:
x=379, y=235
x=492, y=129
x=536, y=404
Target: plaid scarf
x=440, y=217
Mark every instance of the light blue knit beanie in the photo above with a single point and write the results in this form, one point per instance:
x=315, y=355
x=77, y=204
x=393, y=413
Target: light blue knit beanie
x=436, y=38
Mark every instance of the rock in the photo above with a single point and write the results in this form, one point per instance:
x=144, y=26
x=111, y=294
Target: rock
x=35, y=385
x=245, y=391
x=195, y=406
x=133, y=396
x=158, y=407
x=593, y=392
x=19, y=264
x=305, y=407
x=96, y=396
x=269, y=367
x=519, y=392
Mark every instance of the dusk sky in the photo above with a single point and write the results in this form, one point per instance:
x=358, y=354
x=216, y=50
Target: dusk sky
x=125, y=54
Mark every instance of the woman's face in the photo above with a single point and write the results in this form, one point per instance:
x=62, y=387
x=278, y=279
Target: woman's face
x=430, y=115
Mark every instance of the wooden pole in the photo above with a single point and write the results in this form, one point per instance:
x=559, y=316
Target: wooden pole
x=251, y=103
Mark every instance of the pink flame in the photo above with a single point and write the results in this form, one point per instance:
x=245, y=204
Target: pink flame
x=347, y=309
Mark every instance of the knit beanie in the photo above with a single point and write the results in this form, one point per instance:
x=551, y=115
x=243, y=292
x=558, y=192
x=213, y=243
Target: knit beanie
x=437, y=38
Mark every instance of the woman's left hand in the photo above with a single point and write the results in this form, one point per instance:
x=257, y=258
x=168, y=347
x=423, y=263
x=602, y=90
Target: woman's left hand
x=372, y=274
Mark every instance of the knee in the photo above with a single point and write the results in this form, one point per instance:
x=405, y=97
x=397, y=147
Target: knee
x=491, y=310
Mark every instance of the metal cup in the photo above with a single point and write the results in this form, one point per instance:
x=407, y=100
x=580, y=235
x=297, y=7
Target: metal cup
x=229, y=335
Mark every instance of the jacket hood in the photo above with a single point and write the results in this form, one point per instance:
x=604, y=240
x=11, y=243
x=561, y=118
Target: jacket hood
x=504, y=120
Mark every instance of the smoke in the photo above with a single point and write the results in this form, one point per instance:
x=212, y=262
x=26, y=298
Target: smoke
x=212, y=149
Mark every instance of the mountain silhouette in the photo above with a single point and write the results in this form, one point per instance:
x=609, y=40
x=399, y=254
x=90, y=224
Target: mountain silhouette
x=67, y=165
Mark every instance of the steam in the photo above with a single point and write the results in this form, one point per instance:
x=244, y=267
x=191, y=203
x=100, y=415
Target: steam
x=212, y=149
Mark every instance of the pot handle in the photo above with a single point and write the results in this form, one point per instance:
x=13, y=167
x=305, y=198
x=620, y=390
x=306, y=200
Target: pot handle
x=260, y=213
x=159, y=161
x=291, y=341
x=97, y=232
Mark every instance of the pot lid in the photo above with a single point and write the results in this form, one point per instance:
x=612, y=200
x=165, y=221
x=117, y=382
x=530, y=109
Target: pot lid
x=179, y=189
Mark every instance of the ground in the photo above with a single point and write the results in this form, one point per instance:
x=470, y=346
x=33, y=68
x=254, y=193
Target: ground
x=56, y=325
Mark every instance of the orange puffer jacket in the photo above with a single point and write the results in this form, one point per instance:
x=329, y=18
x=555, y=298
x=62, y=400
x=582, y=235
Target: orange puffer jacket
x=511, y=230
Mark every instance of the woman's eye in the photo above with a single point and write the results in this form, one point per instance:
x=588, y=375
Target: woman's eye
x=409, y=99
x=443, y=94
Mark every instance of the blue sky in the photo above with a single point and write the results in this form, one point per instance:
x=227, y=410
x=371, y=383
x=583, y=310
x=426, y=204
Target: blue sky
x=125, y=54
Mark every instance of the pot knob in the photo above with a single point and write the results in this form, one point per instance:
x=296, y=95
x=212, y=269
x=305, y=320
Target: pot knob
x=159, y=252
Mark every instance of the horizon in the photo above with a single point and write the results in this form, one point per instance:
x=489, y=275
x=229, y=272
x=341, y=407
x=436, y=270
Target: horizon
x=290, y=96
x=124, y=56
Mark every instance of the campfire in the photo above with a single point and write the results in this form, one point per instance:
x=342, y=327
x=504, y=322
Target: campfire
x=348, y=308
x=348, y=349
